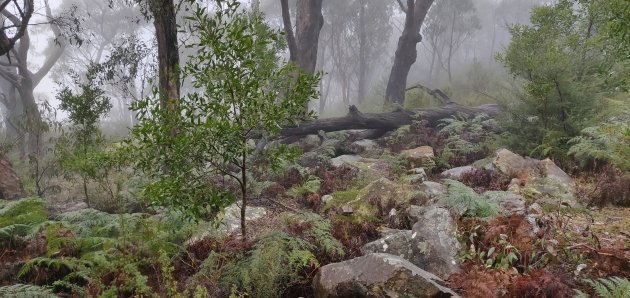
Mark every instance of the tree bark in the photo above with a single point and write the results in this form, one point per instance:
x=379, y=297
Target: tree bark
x=20, y=23
x=304, y=43
x=288, y=30
x=308, y=25
x=362, y=85
x=26, y=81
x=164, y=21
x=386, y=121
x=406, y=54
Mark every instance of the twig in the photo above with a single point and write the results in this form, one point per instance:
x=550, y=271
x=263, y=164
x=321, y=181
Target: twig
x=283, y=205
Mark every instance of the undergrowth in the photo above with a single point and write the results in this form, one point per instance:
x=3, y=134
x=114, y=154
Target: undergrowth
x=466, y=200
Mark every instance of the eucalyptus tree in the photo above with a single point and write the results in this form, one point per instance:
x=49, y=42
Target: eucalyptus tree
x=303, y=44
x=355, y=35
x=19, y=72
x=112, y=39
x=449, y=25
x=406, y=53
x=15, y=18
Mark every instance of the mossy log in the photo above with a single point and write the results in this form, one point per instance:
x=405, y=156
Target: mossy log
x=387, y=121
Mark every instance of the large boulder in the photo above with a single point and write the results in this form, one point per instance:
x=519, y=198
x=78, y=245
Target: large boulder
x=431, y=244
x=10, y=185
x=377, y=275
x=543, y=180
x=420, y=157
x=509, y=202
x=512, y=164
x=379, y=198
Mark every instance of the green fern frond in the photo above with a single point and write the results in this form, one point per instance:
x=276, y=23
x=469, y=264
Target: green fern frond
x=26, y=291
x=319, y=233
x=463, y=197
x=612, y=287
x=273, y=266
x=310, y=186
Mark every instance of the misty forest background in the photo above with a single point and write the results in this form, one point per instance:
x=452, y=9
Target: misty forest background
x=128, y=129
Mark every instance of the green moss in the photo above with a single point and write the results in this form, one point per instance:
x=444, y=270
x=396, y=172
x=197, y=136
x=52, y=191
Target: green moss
x=341, y=198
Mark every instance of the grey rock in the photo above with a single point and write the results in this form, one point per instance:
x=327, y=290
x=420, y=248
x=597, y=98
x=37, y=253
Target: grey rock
x=10, y=184
x=231, y=217
x=431, y=244
x=326, y=198
x=377, y=275
x=510, y=202
x=420, y=157
x=433, y=189
x=456, y=173
x=344, y=160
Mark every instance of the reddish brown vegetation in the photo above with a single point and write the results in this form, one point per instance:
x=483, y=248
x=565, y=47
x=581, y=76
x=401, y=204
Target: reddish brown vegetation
x=274, y=191
x=420, y=134
x=291, y=178
x=541, y=283
x=612, y=186
x=476, y=281
x=335, y=179
x=353, y=235
x=485, y=180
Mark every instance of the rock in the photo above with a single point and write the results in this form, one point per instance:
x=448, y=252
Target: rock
x=431, y=244
x=537, y=180
x=326, y=199
x=377, y=275
x=418, y=175
x=433, y=189
x=367, y=202
x=510, y=202
x=321, y=154
x=10, y=185
x=549, y=169
x=385, y=190
x=456, y=173
x=308, y=143
x=56, y=209
x=367, y=148
x=512, y=164
x=420, y=157
x=231, y=221
x=344, y=160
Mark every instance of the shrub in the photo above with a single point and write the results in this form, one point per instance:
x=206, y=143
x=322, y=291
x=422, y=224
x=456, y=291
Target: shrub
x=241, y=87
x=273, y=266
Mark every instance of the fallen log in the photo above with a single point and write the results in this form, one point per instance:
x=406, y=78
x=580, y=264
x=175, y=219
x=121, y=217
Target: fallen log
x=386, y=121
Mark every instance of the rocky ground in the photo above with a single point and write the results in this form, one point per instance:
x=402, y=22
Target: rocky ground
x=500, y=226
x=515, y=227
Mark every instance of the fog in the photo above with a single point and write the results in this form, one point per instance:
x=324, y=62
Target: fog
x=457, y=54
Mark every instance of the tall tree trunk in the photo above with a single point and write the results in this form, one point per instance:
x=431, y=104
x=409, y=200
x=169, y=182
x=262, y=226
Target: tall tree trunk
x=26, y=81
x=303, y=45
x=308, y=25
x=406, y=54
x=362, y=85
x=288, y=31
x=450, y=48
x=164, y=21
